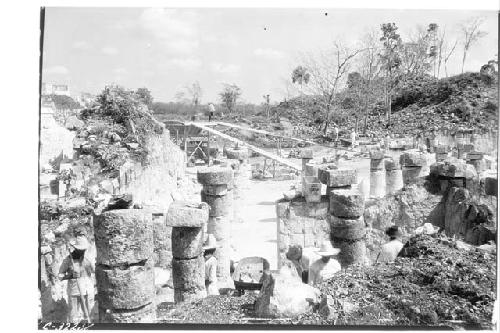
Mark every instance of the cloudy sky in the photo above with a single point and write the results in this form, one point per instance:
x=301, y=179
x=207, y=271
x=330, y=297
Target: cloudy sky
x=165, y=49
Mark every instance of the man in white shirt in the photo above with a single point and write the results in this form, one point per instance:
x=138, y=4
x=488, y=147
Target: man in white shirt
x=390, y=250
x=210, y=265
x=326, y=267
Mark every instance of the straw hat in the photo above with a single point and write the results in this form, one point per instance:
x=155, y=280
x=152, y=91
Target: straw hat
x=80, y=243
x=327, y=249
x=210, y=243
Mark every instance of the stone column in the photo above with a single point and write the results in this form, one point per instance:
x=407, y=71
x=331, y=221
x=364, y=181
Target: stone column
x=393, y=176
x=441, y=153
x=463, y=149
x=238, y=161
x=377, y=174
x=477, y=160
x=188, y=265
x=414, y=165
x=348, y=226
x=306, y=155
x=124, y=268
x=217, y=192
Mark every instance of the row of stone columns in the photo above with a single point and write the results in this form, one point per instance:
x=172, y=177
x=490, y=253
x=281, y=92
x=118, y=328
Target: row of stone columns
x=347, y=226
x=217, y=192
x=188, y=265
x=124, y=268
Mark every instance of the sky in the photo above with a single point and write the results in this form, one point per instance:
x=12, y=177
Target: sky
x=166, y=49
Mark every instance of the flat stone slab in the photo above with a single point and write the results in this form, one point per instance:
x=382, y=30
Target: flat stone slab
x=123, y=236
x=125, y=288
x=475, y=155
x=454, y=168
x=215, y=175
x=338, y=177
x=185, y=214
x=413, y=158
x=347, y=203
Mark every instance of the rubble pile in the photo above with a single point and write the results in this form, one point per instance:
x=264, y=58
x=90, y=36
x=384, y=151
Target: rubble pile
x=435, y=281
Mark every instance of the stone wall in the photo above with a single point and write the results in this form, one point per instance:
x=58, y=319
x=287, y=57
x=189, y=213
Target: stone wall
x=301, y=223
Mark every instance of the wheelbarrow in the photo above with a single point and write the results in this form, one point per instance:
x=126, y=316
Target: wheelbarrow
x=249, y=274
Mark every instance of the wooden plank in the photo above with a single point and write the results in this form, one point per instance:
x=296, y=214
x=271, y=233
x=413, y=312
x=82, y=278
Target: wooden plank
x=260, y=151
x=264, y=132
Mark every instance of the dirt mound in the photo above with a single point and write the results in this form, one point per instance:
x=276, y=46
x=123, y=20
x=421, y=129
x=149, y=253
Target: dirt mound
x=432, y=283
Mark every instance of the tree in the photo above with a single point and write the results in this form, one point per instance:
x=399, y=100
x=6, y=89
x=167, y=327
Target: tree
x=144, y=95
x=447, y=56
x=327, y=73
x=266, y=104
x=369, y=68
x=471, y=35
x=229, y=96
x=300, y=76
x=190, y=94
x=391, y=60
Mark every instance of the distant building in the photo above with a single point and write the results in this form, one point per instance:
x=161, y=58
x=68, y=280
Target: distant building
x=84, y=99
x=55, y=89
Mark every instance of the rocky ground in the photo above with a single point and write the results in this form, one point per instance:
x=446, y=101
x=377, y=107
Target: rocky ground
x=437, y=281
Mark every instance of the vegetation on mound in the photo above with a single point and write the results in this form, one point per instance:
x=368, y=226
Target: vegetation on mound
x=121, y=124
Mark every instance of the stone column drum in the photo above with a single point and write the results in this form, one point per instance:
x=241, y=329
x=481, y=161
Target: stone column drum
x=347, y=225
x=377, y=174
x=413, y=164
x=393, y=176
x=124, y=268
x=240, y=183
x=441, y=153
x=217, y=192
x=188, y=265
x=306, y=155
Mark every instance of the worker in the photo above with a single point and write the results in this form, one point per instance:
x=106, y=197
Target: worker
x=211, y=111
x=325, y=267
x=353, y=138
x=335, y=133
x=390, y=250
x=210, y=265
x=78, y=270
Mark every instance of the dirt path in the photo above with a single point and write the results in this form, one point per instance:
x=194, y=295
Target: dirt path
x=256, y=235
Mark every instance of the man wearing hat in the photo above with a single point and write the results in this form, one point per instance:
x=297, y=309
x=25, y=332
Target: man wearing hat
x=78, y=271
x=210, y=265
x=390, y=250
x=326, y=267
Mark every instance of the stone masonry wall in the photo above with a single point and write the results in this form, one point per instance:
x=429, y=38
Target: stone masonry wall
x=301, y=223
